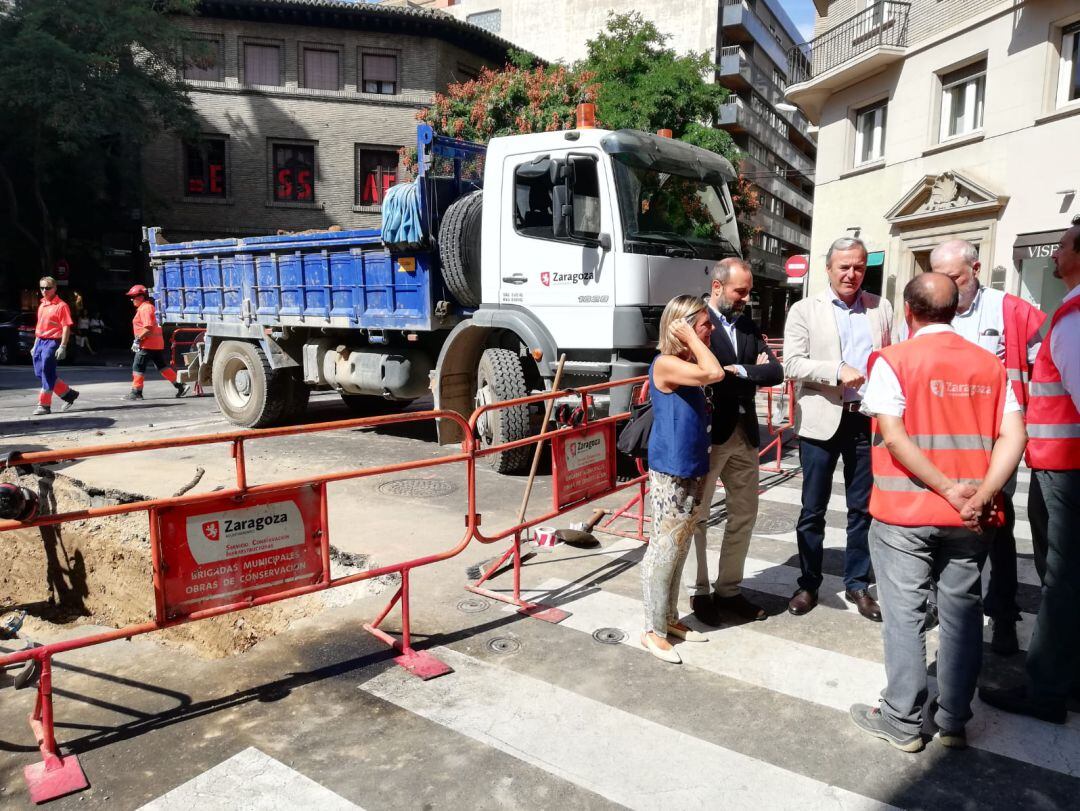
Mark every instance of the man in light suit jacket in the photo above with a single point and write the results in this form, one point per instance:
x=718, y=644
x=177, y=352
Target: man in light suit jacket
x=828, y=339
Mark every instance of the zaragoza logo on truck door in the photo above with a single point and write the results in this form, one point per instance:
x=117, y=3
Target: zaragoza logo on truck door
x=548, y=278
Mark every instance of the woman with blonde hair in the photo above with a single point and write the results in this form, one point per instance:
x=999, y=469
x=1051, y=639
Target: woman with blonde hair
x=678, y=461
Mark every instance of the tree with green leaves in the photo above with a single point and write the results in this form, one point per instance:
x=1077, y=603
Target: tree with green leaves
x=633, y=77
x=83, y=85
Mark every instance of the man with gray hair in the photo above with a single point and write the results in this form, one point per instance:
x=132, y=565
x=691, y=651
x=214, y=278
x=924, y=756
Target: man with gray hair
x=828, y=339
x=1007, y=326
x=739, y=346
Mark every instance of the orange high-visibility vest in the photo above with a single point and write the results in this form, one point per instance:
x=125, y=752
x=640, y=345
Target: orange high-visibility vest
x=1053, y=423
x=955, y=397
x=146, y=319
x=1022, y=322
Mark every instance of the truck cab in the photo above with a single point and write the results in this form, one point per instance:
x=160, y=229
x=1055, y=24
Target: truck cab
x=586, y=235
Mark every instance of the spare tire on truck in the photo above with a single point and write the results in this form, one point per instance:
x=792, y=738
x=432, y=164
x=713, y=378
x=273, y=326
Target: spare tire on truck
x=459, y=248
x=248, y=392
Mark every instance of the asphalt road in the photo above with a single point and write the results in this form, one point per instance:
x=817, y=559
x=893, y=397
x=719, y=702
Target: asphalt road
x=535, y=714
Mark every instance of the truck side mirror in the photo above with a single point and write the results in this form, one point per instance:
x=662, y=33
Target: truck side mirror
x=562, y=211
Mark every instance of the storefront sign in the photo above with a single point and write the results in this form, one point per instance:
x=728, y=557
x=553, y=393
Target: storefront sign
x=221, y=552
x=583, y=463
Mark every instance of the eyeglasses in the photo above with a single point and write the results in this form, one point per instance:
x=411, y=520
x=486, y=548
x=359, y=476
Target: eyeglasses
x=47, y=288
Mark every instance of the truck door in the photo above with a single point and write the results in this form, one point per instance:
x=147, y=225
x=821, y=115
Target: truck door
x=562, y=274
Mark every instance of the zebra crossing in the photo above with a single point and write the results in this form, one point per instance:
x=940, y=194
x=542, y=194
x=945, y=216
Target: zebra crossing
x=757, y=717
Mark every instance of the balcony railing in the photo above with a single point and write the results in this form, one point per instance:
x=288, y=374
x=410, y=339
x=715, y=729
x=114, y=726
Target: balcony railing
x=883, y=24
x=735, y=62
x=771, y=133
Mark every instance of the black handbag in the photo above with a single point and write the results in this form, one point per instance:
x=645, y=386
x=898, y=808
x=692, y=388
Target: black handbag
x=634, y=439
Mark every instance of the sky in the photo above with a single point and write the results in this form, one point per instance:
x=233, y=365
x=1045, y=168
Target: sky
x=802, y=14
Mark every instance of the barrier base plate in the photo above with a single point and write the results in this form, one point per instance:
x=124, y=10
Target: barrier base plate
x=423, y=665
x=539, y=611
x=48, y=784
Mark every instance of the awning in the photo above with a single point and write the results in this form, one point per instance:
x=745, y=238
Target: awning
x=1036, y=245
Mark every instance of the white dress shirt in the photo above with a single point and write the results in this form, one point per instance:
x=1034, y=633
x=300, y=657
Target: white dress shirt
x=885, y=396
x=1065, y=349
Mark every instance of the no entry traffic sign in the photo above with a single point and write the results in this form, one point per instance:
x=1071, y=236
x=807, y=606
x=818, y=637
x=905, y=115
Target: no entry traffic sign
x=797, y=266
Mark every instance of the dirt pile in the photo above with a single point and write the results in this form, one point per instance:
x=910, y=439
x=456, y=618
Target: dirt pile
x=98, y=572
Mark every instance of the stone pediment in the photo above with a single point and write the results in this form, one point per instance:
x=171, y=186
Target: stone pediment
x=948, y=196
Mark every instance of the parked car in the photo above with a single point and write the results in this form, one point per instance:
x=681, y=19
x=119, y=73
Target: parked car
x=16, y=335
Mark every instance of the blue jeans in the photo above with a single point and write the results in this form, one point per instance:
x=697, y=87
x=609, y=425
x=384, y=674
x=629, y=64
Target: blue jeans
x=851, y=442
x=907, y=561
x=1053, y=661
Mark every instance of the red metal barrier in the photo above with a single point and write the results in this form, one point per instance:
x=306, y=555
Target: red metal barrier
x=176, y=559
x=197, y=335
x=567, y=494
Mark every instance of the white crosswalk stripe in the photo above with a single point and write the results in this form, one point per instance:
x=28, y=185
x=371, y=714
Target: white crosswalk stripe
x=250, y=781
x=822, y=676
x=613, y=753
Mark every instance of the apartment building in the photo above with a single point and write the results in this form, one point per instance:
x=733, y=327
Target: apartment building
x=303, y=106
x=749, y=41
x=940, y=120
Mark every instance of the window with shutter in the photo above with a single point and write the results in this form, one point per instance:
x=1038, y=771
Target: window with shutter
x=262, y=65
x=379, y=74
x=321, y=69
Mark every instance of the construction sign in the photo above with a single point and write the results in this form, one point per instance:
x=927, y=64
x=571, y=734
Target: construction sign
x=220, y=552
x=582, y=463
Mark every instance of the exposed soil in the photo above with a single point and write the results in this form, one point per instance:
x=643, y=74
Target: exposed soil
x=98, y=572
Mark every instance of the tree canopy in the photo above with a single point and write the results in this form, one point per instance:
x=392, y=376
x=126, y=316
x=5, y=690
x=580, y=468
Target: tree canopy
x=635, y=80
x=82, y=86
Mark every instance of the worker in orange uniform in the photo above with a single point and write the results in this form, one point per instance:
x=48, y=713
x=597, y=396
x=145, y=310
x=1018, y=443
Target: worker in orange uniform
x=50, y=345
x=149, y=345
x=948, y=432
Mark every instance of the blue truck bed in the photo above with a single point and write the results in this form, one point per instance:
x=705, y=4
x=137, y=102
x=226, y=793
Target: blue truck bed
x=344, y=279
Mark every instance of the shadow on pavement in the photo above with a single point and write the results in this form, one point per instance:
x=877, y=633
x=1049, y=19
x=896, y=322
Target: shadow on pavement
x=54, y=425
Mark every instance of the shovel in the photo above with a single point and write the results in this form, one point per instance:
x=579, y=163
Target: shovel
x=580, y=534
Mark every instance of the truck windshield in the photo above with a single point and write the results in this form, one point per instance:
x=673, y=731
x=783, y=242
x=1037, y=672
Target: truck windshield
x=672, y=214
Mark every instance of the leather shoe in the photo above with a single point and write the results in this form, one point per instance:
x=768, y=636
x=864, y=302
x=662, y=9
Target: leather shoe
x=705, y=610
x=802, y=602
x=1016, y=700
x=739, y=606
x=866, y=604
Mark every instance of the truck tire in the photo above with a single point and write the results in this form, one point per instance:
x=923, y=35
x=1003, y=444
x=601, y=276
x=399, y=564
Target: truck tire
x=459, y=248
x=500, y=377
x=248, y=392
x=299, y=393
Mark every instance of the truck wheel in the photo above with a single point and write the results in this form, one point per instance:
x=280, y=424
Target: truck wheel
x=459, y=248
x=299, y=393
x=248, y=392
x=500, y=377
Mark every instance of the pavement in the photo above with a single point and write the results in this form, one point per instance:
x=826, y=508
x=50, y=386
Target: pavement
x=535, y=714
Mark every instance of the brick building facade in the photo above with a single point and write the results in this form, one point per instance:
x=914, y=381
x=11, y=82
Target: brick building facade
x=302, y=107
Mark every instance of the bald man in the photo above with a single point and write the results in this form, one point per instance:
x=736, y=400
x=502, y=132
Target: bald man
x=1009, y=327
x=948, y=433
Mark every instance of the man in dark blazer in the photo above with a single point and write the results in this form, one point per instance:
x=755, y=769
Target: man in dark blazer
x=739, y=346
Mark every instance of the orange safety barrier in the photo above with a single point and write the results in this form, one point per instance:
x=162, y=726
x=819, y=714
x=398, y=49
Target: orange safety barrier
x=186, y=531
x=584, y=463
x=186, y=534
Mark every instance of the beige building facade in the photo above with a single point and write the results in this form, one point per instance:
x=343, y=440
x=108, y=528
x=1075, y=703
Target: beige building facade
x=945, y=119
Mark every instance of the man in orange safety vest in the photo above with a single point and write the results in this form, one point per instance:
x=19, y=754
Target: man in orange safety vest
x=149, y=345
x=948, y=432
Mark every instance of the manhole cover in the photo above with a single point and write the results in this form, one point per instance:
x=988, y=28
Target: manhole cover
x=609, y=636
x=774, y=524
x=473, y=605
x=504, y=644
x=417, y=488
